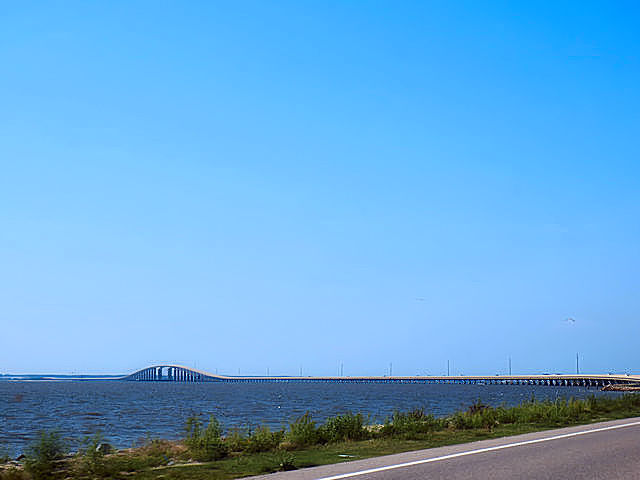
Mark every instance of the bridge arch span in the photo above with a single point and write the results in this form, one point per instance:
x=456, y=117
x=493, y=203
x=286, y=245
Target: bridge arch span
x=172, y=373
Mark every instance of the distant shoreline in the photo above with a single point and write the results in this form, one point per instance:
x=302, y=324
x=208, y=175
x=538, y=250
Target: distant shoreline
x=49, y=378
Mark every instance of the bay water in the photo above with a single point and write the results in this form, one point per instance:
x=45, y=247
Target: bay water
x=128, y=413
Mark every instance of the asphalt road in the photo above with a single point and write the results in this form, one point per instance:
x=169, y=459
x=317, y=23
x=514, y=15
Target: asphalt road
x=608, y=450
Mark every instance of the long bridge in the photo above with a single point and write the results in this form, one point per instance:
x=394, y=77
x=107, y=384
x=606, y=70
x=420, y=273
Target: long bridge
x=180, y=373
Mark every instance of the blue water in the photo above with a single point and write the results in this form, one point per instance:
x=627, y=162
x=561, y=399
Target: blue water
x=128, y=412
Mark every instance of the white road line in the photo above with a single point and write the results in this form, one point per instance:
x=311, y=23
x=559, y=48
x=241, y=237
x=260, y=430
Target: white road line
x=473, y=452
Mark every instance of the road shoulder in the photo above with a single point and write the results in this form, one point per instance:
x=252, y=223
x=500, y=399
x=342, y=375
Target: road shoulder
x=345, y=468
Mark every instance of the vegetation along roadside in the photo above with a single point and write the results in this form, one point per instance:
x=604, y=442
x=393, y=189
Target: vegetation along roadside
x=207, y=452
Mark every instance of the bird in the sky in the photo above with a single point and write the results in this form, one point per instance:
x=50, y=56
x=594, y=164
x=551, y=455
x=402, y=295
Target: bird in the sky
x=570, y=320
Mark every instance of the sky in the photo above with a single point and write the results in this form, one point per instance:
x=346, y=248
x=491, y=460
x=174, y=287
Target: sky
x=243, y=186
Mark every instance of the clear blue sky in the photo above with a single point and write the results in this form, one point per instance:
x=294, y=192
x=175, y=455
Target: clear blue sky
x=244, y=185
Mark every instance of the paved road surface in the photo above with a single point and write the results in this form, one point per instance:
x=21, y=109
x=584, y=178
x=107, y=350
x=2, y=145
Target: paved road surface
x=608, y=450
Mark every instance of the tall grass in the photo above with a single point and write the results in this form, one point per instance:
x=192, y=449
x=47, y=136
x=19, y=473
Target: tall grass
x=417, y=424
x=547, y=413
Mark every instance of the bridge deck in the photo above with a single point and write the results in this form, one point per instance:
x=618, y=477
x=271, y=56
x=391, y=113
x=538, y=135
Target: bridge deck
x=180, y=373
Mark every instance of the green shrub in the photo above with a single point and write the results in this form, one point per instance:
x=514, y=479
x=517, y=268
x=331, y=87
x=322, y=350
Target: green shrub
x=205, y=444
x=92, y=456
x=43, y=454
x=262, y=439
x=482, y=415
x=343, y=428
x=412, y=425
x=302, y=432
x=477, y=407
x=236, y=441
x=506, y=415
x=459, y=421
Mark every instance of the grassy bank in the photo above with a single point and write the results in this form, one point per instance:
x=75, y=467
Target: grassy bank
x=206, y=453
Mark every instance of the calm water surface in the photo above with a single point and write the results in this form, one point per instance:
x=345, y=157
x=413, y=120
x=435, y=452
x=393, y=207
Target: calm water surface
x=128, y=412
